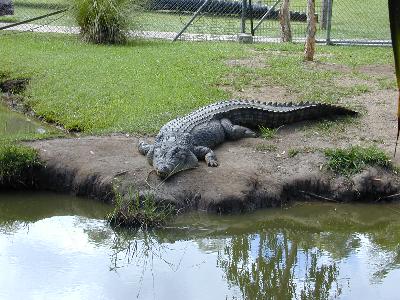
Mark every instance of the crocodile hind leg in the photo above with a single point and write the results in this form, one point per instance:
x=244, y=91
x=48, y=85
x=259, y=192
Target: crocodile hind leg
x=207, y=154
x=235, y=132
x=147, y=150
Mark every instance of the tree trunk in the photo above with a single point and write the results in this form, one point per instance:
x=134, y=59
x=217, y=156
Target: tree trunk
x=6, y=7
x=311, y=30
x=284, y=19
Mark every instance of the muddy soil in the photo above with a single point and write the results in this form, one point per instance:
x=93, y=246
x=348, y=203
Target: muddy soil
x=253, y=173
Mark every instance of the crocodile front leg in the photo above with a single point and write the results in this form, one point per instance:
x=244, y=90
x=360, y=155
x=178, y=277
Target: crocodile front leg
x=235, y=132
x=147, y=150
x=205, y=153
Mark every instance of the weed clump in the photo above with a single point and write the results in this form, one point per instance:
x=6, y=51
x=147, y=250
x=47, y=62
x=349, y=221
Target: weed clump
x=266, y=148
x=267, y=133
x=103, y=21
x=354, y=159
x=139, y=211
x=16, y=165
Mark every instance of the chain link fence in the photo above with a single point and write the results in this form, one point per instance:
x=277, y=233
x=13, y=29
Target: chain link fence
x=339, y=21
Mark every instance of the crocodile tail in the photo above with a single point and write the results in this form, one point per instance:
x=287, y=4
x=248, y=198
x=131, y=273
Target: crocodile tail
x=275, y=115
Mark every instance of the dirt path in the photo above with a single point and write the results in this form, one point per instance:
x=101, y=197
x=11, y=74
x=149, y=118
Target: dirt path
x=253, y=173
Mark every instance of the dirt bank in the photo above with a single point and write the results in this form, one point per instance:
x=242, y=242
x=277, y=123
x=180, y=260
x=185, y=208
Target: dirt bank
x=254, y=173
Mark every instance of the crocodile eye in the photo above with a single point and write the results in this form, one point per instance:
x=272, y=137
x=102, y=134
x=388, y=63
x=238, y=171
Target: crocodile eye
x=175, y=151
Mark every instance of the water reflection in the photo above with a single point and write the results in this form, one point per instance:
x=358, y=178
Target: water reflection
x=314, y=251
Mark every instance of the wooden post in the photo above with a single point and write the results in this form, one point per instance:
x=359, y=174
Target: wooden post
x=284, y=20
x=6, y=7
x=309, y=48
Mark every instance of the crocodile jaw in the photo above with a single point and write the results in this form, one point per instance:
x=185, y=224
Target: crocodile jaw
x=175, y=160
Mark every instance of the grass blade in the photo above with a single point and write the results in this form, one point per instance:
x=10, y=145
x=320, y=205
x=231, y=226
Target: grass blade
x=394, y=17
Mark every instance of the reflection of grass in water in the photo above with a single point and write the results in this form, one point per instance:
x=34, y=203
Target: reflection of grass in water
x=142, y=247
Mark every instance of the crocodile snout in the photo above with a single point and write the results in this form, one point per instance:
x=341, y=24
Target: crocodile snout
x=163, y=171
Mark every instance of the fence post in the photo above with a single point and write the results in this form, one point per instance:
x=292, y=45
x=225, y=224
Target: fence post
x=244, y=12
x=329, y=23
x=324, y=14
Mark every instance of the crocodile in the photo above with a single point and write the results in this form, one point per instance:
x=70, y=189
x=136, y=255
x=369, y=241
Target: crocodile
x=182, y=142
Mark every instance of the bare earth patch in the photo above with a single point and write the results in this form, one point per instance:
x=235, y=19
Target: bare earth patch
x=246, y=179
x=378, y=70
x=348, y=81
x=253, y=62
x=260, y=91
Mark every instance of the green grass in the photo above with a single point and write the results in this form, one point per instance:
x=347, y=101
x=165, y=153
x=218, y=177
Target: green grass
x=139, y=87
x=267, y=133
x=135, y=211
x=266, y=147
x=354, y=159
x=135, y=88
x=16, y=162
x=314, y=82
x=293, y=152
x=17, y=126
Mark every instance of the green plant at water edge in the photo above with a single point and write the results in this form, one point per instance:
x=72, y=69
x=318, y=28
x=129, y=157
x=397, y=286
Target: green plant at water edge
x=16, y=162
x=267, y=133
x=352, y=160
x=103, y=21
x=139, y=211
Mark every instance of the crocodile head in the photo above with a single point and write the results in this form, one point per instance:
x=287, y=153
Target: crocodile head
x=170, y=161
x=172, y=155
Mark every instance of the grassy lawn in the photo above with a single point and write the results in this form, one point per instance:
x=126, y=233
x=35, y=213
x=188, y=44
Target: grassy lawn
x=138, y=87
x=352, y=19
x=135, y=88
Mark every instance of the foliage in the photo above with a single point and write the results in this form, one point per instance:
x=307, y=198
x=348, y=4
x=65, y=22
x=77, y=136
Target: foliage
x=103, y=21
x=293, y=152
x=352, y=160
x=15, y=162
x=267, y=133
x=135, y=210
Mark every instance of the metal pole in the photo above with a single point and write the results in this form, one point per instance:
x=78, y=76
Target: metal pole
x=324, y=14
x=329, y=21
x=266, y=14
x=251, y=18
x=244, y=12
x=191, y=20
x=34, y=19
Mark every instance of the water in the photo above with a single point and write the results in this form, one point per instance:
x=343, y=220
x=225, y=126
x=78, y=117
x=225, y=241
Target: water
x=15, y=124
x=58, y=247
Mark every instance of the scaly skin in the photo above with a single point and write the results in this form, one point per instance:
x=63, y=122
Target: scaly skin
x=182, y=142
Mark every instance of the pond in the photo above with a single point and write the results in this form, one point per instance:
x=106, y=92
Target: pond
x=13, y=123
x=59, y=247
